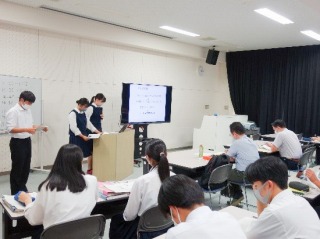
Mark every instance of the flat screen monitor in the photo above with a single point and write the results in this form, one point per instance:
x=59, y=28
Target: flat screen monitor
x=144, y=104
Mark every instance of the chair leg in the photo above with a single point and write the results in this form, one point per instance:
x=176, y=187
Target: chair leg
x=211, y=201
x=245, y=194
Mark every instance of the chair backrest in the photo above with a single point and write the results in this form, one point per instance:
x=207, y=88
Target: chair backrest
x=89, y=227
x=220, y=174
x=306, y=156
x=153, y=220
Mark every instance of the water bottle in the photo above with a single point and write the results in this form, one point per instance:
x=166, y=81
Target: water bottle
x=200, y=151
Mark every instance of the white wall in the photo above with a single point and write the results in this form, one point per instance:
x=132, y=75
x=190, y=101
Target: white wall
x=72, y=66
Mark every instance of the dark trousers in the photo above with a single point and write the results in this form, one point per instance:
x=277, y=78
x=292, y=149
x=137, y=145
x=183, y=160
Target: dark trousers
x=315, y=203
x=237, y=177
x=121, y=229
x=21, y=158
x=290, y=164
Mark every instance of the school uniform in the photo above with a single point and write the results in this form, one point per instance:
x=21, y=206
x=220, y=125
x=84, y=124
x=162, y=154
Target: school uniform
x=51, y=207
x=287, y=216
x=205, y=223
x=78, y=124
x=143, y=196
x=20, y=147
x=93, y=114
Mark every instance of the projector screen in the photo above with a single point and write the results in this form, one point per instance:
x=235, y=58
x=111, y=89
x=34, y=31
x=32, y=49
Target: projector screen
x=145, y=103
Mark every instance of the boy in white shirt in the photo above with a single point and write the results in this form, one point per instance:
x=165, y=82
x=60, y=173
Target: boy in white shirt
x=281, y=213
x=183, y=199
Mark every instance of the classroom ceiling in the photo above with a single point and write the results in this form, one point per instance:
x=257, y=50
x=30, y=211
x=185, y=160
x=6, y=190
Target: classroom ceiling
x=230, y=25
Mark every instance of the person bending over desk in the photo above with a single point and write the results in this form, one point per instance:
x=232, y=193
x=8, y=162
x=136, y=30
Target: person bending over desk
x=243, y=151
x=315, y=203
x=144, y=192
x=281, y=214
x=287, y=143
x=67, y=193
x=183, y=199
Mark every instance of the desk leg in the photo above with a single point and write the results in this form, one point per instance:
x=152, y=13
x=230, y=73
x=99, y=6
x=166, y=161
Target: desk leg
x=6, y=223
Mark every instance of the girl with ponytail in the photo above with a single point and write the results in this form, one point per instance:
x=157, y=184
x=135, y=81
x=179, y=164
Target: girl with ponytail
x=144, y=192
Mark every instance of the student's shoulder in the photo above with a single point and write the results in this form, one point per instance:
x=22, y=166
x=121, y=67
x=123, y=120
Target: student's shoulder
x=90, y=179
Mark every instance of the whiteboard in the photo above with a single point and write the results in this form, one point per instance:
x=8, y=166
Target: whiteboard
x=10, y=89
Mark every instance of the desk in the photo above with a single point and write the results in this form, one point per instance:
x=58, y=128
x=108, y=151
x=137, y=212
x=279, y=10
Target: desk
x=268, y=137
x=188, y=163
x=22, y=229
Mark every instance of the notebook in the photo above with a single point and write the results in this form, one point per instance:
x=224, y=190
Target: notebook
x=14, y=205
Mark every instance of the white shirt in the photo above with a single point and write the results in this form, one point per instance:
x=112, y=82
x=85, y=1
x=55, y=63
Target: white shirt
x=143, y=195
x=73, y=123
x=287, y=217
x=288, y=144
x=51, y=207
x=203, y=223
x=245, y=152
x=17, y=117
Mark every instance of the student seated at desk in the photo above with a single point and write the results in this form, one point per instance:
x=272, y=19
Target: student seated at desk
x=183, y=199
x=144, y=192
x=315, y=203
x=287, y=143
x=243, y=151
x=67, y=193
x=281, y=214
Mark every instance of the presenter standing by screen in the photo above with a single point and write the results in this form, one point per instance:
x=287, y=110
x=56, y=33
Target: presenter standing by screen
x=78, y=133
x=20, y=125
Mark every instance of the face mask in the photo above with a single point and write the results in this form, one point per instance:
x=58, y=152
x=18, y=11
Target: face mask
x=275, y=132
x=265, y=199
x=26, y=107
x=174, y=222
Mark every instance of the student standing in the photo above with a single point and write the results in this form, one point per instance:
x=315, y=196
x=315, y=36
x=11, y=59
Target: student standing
x=94, y=112
x=67, y=194
x=144, y=192
x=20, y=125
x=183, y=199
x=78, y=133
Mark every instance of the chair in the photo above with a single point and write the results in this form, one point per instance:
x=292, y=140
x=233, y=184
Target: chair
x=219, y=175
x=243, y=184
x=89, y=227
x=153, y=221
x=306, y=157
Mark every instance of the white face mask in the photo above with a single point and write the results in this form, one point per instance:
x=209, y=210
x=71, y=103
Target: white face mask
x=174, y=222
x=26, y=107
x=265, y=199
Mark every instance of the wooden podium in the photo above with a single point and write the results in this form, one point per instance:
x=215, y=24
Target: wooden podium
x=113, y=156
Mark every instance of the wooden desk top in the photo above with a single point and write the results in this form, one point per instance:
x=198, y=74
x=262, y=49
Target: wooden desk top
x=12, y=215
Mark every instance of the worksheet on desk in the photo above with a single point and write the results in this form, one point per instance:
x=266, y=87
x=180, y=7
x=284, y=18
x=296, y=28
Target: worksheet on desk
x=120, y=186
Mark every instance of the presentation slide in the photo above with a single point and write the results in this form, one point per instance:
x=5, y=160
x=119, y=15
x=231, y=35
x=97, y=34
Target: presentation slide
x=147, y=103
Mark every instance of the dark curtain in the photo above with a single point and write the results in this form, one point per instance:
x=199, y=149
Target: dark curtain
x=281, y=83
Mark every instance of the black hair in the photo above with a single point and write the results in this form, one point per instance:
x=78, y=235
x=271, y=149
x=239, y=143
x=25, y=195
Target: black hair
x=66, y=171
x=180, y=191
x=268, y=168
x=279, y=123
x=157, y=150
x=27, y=96
x=83, y=101
x=98, y=96
x=237, y=127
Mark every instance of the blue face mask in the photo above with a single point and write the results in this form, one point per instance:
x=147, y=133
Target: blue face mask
x=265, y=199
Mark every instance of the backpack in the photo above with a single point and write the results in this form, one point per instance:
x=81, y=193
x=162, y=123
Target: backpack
x=215, y=161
